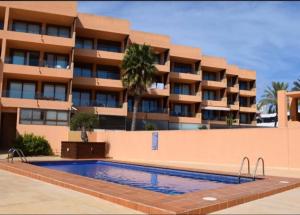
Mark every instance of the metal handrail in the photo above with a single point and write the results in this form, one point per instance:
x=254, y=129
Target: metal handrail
x=11, y=153
x=263, y=167
x=241, y=168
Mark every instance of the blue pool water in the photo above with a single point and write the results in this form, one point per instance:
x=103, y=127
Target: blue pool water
x=168, y=181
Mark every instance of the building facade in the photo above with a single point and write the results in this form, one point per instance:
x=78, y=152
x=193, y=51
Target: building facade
x=55, y=60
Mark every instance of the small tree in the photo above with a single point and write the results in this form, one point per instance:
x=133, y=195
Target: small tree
x=150, y=126
x=84, y=122
x=230, y=120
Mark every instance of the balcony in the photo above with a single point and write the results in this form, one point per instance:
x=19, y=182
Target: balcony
x=233, y=89
x=158, y=114
x=186, y=77
x=40, y=39
x=163, y=68
x=248, y=109
x=234, y=106
x=36, y=72
x=214, y=84
x=215, y=103
x=176, y=117
x=98, y=54
x=35, y=100
x=109, y=84
x=185, y=98
x=103, y=109
x=248, y=93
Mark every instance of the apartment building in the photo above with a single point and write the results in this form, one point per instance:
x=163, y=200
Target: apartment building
x=56, y=61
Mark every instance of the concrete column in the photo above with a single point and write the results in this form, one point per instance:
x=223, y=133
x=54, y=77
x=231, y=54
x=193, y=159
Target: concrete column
x=6, y=19
x=282, y=109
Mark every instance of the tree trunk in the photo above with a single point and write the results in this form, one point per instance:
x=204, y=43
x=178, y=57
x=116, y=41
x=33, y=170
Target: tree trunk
x=135, y=109
x=84, y=136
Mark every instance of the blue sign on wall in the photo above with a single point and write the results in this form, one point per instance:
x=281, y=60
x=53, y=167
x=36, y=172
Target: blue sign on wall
x=154, y=140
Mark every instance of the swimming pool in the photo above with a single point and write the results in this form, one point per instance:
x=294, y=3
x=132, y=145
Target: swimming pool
x=163, y=180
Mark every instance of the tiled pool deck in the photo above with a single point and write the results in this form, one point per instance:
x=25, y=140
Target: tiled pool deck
x=153, y=202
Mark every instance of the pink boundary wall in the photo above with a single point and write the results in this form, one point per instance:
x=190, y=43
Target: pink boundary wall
x=280, y=147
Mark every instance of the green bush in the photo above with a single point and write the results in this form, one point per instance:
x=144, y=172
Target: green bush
x=33, y=145
x=85, y=120
x=200, y=127
x=150, y=127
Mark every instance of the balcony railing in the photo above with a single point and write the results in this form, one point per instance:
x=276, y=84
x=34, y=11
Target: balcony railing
x=95, y=103
x=154, y=110
x=182, y=92
x=38, y=63
x=184, y=114
x=31, y=95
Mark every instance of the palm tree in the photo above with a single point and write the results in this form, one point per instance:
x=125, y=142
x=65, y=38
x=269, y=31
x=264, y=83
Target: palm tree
x=296, y=85
x=138, y=73
x=269, y=98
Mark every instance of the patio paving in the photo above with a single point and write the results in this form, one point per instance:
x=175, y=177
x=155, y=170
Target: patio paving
x=23, y=195
x=40, y=197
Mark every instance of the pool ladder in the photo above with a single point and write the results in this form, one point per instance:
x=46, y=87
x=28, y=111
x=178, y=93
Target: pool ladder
x=11, y=152
x=248, y=165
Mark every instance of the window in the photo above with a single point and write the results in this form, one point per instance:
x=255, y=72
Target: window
x=243, y=85
x=83, y=70
x=210, y=115
x=231, y=81
x=209, y=76
x=110, y=46
x=58, y=31
x=108, y=72
x=182, y=68
x=84, y=43
x=244, y=118
x=209, y=95
x=21, y=90
x=231, y=98
x=21, y=57
x=243, y=102
x=26, y=27
x=157, y=58
x=54, y=92
x=44, y=117
x=181, y=110
x=56, y=61
x=184, y=89
x=81, y=98
x=149, y=106
x=107, y=99
x=18, y=57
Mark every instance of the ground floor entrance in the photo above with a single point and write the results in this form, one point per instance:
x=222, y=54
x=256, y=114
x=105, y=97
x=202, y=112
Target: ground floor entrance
x=8, y=130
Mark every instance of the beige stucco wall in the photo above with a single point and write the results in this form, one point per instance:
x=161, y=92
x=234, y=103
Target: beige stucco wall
x=278, y=146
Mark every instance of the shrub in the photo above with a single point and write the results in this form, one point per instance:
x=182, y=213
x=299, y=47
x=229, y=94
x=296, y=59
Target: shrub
x=150, y=127
x=202, y=127
x=33, y=145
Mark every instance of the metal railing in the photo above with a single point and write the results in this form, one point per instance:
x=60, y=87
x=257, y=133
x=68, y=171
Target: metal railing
x=184, y=114
x=241, y=168
x=263, y=167
x=23, y=94
x=95, y=103
x=11, y=152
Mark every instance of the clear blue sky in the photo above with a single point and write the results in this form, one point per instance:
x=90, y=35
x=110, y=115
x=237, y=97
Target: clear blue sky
x=263, y=36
